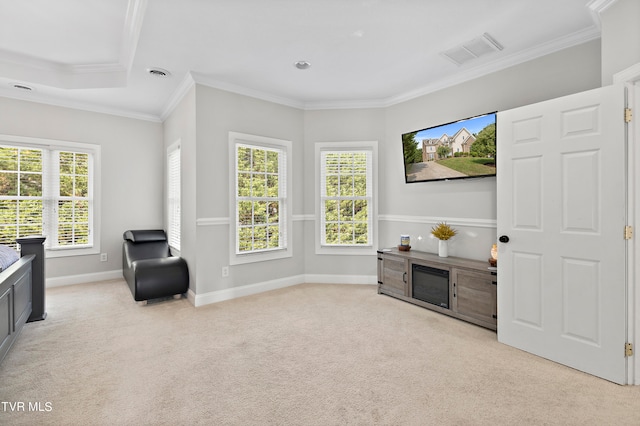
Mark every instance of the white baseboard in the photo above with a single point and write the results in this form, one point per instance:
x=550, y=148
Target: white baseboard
x=228, y=293
x=83, y=278
x=247, y=290
x=340, y=279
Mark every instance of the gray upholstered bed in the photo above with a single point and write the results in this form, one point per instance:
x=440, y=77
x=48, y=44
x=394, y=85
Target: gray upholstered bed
x=18, y=280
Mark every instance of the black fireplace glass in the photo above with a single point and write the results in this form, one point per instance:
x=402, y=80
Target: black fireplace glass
x=430, y=285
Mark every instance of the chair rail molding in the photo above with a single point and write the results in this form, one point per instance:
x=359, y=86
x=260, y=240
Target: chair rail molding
x=220, y=221
x=431, y=220
x=213, y=221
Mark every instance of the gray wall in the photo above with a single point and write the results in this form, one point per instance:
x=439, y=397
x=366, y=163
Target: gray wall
x=218, y=113
x=569, y=71
x=469, y=204
x=349, y=125
x=620, y=38
x=132, y=172
x=133, y=161
x=181, y=126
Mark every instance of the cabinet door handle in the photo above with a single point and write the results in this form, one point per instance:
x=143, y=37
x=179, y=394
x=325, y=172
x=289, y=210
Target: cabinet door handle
x=404, y=277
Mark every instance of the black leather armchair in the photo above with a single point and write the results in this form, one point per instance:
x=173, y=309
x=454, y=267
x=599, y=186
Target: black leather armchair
x=149, y=268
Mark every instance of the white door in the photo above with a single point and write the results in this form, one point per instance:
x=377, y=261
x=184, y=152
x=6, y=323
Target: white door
x=562, y=206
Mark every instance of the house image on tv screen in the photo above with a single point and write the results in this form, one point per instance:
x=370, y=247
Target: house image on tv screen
x=457, y=150
x=459, y=143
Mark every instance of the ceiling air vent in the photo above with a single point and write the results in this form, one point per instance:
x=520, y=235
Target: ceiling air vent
x=473, y=49
x=21, y=87
x=158, y=72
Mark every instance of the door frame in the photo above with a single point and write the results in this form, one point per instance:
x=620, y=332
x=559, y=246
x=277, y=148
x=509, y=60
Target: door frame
x=630, y=77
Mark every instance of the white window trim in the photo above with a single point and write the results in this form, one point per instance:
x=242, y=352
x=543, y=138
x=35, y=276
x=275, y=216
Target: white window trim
x=367, y=250
x=170, y=150
x=95, y=150
x=287, y=251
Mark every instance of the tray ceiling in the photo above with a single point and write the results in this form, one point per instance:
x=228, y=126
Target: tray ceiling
x=96, y=54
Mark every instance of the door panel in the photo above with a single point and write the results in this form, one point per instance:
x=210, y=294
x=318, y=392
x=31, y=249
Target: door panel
x=527, y=200
x=394, y=275
x=527, y=289
x=561, y=200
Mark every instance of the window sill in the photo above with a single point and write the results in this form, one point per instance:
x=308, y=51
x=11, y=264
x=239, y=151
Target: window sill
x=69, y=252
x=240, y=259
x=347, y=251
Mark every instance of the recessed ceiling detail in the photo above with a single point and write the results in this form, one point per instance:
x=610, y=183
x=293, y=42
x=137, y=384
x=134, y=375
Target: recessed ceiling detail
x=96, y=54
x=473, y=49
x=60, y=65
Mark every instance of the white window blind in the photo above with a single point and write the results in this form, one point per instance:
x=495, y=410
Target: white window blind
x=46, y=192
x=173, y=197
x=346, y=198
x=71, y=200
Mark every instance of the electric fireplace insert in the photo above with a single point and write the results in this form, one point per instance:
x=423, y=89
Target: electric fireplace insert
x=430, y=285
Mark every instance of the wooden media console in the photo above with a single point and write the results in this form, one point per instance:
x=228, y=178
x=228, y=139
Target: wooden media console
x=462, y=288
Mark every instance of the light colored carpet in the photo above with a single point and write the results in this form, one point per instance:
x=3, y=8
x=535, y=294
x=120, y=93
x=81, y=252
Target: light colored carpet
x=304, y=355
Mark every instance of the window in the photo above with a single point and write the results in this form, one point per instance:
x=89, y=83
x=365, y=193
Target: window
x=346, y=203
x=72, y=202
x=21, y=194
x=173, y=196
x=261, y=212
x=48, y=190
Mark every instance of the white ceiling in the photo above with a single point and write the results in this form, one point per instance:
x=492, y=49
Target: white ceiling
x=94, y=54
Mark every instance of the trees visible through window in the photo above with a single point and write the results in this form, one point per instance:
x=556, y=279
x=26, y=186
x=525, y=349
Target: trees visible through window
x=21, y=194
x=45, y=192
x=260, y=196
x=73, y=201
x=345, y=191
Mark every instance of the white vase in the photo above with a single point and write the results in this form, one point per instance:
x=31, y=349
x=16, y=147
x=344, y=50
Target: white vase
x=443, y=248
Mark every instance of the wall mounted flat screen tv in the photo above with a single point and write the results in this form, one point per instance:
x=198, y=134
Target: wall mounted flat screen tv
x=458, y=150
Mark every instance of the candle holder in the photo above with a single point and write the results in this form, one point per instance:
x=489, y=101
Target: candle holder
x=493, y=260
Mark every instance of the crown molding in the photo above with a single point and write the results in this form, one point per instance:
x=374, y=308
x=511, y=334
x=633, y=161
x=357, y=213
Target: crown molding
x=556, y=45
x=132, y=27
x=116, y=73
x=36, y=97
x=240, y=90
x=628, y=75
x=571, y=40
x=80, y=76
x=181, y=91
x=596, y=7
